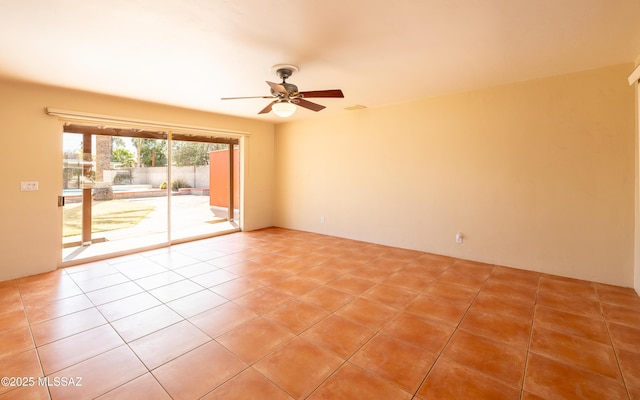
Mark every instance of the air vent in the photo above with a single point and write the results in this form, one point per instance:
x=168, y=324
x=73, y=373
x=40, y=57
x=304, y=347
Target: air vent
x=356, y=107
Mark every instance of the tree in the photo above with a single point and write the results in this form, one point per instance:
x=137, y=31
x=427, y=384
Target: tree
x=153, y=152
x=124, y=157
x=192, y=153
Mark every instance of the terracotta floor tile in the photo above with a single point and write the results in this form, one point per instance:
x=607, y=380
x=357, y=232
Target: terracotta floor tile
x=463, y=278
x=10, y=299
x=502, y=362
x=390, y=296
x=244, y=267
x=139, y=268
x=21, y=364
x=263, y=300
x=128, y=306
x=175, y=290
x=623, y=297
x=71, y=350
x=296, y=315
x=101, y=282
x=195, y=269
x=61, y=327
x=47, y=290
x=498, y=327
x=174, y=259
x=15, y=341
x=299, y=367
x=199, y=250
x=622, y=315
x=12, y=320
x=341, y=264
x=236, y=288
x=327, y=298
x=426, y=334
x=248, y=385
x=158, y=280
x=590, y=328
x=351, y=284
x=576, y=351
x=372, y=273
x=222, y=318
x=512, y=290
x=630, y=366
x=46, y=311
x=145, y=322
x=224, y=261
x=451, y=293
x=450, y=380
x=145, y=387
x=113, y=293
x=99, y=374
x=168, y=343
x=215, y=365
x=508, y=306
x=314, y=258
x=270, y=259
x=295, y=286
x=320, y=274
x=403, y=364
x=195, y=303
x=634, y=392
x=214, y=278
x=625, y=337
x=586, y=307
x=437, y=309
x=385, y=266
x=530, y=396
x=409, y=280
x=551, y=379
x=255, y=339
x=339, y=335
x=434, y=262
x=27, y=393
x=515, y=276
x=370, y=314
x=354, y=383
x=570, y=287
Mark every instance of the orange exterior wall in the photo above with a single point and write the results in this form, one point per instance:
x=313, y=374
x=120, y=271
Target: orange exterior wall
x=219, y=178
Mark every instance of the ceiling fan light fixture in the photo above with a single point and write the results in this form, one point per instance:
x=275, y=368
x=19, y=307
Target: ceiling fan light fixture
x=283, y=109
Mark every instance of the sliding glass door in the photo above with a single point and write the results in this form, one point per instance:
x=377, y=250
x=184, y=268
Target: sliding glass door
x=126, y=189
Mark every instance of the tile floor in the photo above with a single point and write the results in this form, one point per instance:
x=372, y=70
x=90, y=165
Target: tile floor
x=281, y=314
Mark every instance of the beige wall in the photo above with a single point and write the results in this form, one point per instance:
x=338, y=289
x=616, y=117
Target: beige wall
x=537, y=175
x=30, y=237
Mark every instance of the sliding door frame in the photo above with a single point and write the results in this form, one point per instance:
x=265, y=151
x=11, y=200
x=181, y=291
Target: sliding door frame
x=93, y=124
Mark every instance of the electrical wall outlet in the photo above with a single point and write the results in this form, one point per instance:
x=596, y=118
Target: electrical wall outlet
x=28, y=186
x=459, y=237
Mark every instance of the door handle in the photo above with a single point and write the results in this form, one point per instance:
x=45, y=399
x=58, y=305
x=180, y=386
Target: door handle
x=60, y=201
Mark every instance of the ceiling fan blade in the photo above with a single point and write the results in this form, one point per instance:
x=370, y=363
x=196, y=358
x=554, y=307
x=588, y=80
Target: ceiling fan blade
x=278, y=88
x=322, y=93
x=307, y=104
x=267, y=109
x=248, y=97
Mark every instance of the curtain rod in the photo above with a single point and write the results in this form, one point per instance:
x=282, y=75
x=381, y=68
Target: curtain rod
x=79, y=116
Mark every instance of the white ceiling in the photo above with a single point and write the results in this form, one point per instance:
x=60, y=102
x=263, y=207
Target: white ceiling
x=191, y=53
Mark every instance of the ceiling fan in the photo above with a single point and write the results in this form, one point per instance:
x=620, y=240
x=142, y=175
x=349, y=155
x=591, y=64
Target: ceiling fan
x=286, y=95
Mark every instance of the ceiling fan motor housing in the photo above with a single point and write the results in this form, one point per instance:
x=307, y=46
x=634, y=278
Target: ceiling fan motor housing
x=290, y=87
